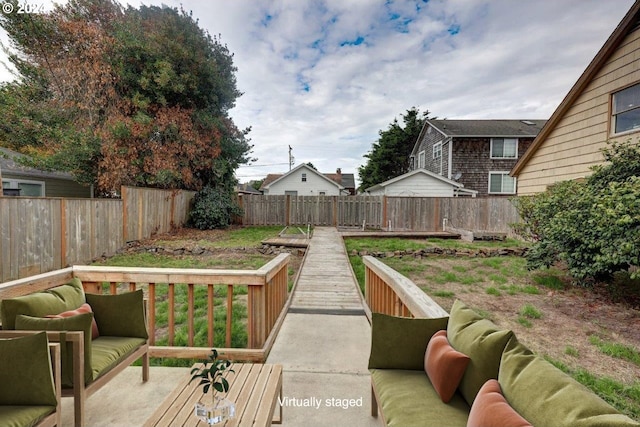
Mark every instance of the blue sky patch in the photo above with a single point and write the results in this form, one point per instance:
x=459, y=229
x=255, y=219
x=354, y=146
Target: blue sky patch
x=454, y=29
x=356, y=42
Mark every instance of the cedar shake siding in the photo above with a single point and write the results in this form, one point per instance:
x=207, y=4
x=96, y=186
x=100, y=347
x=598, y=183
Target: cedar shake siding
x=472, y=158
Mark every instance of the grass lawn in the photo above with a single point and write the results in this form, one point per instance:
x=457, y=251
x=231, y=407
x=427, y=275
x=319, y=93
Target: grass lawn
x=580, y=331
x=233, y=249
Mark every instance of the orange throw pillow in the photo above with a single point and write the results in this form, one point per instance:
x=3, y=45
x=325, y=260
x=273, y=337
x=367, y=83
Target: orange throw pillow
x=444, y=365
x=84, y=308
x=491, y=409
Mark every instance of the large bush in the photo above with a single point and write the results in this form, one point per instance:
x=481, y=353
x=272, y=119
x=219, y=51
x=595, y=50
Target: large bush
x=213, y=208
x=594, y=226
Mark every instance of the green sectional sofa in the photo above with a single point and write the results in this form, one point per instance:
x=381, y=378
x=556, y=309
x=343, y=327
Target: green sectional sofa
x=100, y=335
x=532, y=387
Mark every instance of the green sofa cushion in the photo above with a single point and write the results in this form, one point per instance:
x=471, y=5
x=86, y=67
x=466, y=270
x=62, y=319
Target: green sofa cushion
x=407, y=399
x=119, y=315
x=24, y=416
x=81, y=322
x=25, y=371
x=546, y=396
x=401, y=342
x=107, y=351
x=40, y=304
x=479, y=339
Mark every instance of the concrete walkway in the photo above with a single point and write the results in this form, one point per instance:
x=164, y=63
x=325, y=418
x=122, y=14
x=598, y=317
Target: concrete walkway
x=324, y=343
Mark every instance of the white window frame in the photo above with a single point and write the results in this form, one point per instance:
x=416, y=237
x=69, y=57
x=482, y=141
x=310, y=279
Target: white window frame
x=14, y=184
x=504, y=143
x=503, y=173
x=437, y=150
x=422, y=159
x=632, y=106
x=304, y=177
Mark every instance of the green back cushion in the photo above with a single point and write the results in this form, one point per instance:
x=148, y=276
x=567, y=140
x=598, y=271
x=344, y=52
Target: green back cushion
x=81, y=322
x=119, y=315
x=25, y=371
x=400, y=342
x=479, y=339
x=52, y=301
x=545, y=396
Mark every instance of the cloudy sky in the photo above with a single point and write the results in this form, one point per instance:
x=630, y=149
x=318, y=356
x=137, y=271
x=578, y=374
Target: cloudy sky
x=324, y=76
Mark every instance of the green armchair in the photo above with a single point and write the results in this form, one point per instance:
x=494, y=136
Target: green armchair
x=90, y=357
x=32, y=366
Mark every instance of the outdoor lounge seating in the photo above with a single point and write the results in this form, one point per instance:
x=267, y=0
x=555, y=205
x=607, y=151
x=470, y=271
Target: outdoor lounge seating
x=34, y=397
x=92, y=353
x=527, y=386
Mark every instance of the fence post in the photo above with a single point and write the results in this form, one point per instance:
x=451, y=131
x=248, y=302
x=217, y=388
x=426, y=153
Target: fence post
x=384, y=212
x=334, y=211
x=287, y=210
x=125, y=233
x=63, y=233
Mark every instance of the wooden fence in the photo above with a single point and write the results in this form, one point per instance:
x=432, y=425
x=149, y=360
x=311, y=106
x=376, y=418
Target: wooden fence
x=491, y=214
x=44, y=234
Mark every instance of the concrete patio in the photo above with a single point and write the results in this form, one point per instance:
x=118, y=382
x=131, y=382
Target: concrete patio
x=323, y=346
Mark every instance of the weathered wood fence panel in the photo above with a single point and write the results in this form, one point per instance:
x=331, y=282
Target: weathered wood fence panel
x=356, y=211
x=44, y=234
x=91, y=228
x=31, y=236
x=263, y=210
x=149, y=211
x=491, y=214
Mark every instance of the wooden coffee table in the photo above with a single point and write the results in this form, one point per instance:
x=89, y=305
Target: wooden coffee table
x=254, y=388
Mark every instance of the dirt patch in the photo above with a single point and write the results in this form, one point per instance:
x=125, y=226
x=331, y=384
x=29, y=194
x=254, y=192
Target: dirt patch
x=569, y=317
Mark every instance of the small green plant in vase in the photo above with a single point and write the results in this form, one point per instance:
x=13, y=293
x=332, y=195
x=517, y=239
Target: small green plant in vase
x=212, y=380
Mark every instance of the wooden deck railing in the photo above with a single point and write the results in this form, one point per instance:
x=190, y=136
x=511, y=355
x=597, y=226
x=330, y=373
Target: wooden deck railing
x=267, y=297
x=389, y=292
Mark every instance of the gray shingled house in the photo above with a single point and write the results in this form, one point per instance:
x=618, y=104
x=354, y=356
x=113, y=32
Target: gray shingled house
x=476, y=153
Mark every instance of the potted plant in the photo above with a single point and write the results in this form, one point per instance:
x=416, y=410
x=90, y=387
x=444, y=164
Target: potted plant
x=212, y=380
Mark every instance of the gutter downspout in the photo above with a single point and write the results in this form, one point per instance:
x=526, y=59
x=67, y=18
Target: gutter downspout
x=450, y=140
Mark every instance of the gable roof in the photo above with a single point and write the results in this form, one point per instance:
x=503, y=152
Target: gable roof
x=488, y=128
x=273, y=178
x=415, y=172
x=630, y=21
x=348, y=179
x=10, y=167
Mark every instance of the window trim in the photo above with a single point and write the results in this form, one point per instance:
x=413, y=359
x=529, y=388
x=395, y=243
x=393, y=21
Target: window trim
x=502, y=157
x=502, y=173
x=422, y=164
x=437, y=148
x=15, y=184
x=613, y=117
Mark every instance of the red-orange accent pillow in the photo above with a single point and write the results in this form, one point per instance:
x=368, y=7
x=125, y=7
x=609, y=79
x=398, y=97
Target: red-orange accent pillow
x=84, y=308
x=491, y=409
x=444, y=365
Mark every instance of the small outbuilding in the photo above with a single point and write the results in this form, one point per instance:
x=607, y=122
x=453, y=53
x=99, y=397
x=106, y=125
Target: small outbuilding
x=420, y=183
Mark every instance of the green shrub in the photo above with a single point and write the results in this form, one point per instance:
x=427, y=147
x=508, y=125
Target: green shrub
x=593, y=226
x=213, y=208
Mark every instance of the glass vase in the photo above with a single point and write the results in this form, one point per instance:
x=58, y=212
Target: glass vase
x=219, y=411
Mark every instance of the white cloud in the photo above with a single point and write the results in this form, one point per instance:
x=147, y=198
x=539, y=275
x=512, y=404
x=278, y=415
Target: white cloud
x=325, y=76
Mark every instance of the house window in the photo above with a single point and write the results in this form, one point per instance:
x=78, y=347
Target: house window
x=437, y=150
x=421, y=160
x=501, y=183
x=504, y=148
x=626, y=109
x=304, y=177
x=322, y=193
x=27, y=187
